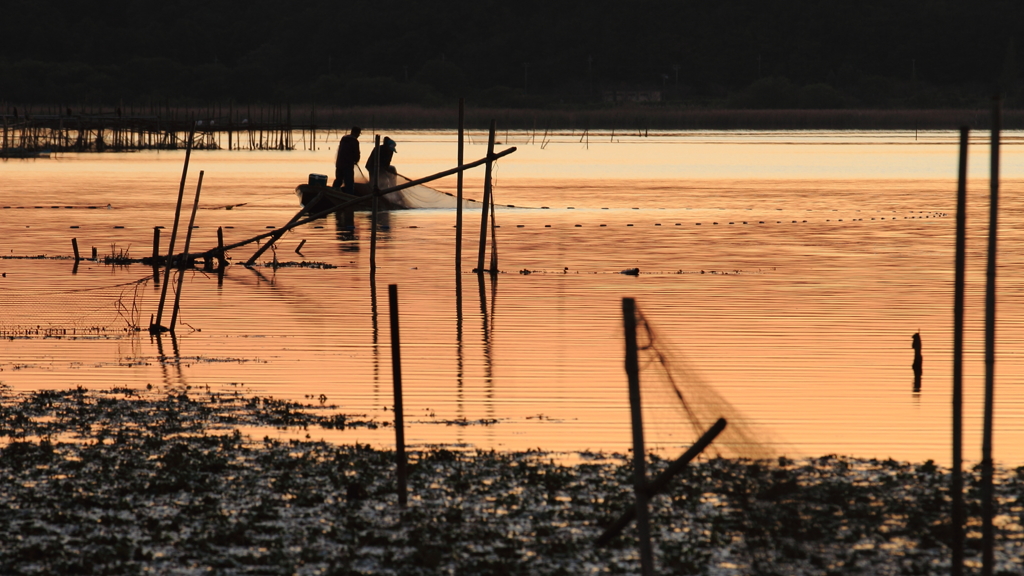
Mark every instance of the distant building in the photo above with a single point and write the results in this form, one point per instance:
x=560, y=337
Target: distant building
x=632, y=95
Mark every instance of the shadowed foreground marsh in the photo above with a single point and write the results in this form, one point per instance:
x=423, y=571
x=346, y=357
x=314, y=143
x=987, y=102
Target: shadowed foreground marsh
x=125, y=482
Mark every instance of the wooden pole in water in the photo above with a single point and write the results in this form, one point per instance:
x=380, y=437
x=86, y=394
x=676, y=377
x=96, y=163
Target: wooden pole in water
x=956, y=477
x=494, y=239
x=639, y=452
x=184, y=263
x=987, y=467
x=74, y=246
x=396, y=369
x=659, y=483
x=272, y=235
x=156, y=243
x=156, y=327
x=373, y=210
x=221, y=260
x=458, y=189
x=487, y=198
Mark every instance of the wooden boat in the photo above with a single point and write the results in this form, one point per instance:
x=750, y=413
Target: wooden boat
x=412, y=197
x=330, y=197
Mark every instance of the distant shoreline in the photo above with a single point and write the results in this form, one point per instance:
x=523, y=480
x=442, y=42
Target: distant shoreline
x=637, y=118
x=643, y=118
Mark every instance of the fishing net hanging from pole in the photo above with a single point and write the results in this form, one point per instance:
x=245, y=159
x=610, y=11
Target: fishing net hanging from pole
x=422, y=196
x=106, y=310
x=679, y=405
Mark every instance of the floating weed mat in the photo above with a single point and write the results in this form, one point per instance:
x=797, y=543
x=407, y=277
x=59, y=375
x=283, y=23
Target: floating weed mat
x=164, y=485
x=79, y=414
x=303, y=264
x=106, y=311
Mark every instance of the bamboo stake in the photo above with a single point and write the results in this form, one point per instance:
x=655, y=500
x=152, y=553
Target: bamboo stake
x=156, y=327
x=659, y=483
x=956, y=480
x=373, y=211
x=458, y=190
x=487, y=199
x=274, y=236
x=987, y=472
x=639, y=452
x=494, y=239
x=221, y=261
x=188, y=239
x=396, y=369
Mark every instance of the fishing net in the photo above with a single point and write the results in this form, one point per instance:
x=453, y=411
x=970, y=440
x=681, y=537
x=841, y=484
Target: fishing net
x=421, y=196
x=679, y=405
x=31, y=312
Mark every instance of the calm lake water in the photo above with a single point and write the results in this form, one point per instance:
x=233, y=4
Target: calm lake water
x=789, y=269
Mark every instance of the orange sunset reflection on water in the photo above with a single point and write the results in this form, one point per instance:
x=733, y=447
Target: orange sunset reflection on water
x=789, y=269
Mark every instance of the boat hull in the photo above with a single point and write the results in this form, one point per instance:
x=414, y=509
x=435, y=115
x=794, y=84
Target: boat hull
x=332, y=197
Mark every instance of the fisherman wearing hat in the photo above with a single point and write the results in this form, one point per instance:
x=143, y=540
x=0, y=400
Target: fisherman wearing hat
x=348, y=157
x=387, y=171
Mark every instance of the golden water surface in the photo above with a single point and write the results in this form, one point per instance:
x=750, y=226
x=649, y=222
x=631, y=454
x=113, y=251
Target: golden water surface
x=790, y=269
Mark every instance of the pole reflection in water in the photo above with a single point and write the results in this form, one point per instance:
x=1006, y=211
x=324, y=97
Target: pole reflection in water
x=376, y=336
x=260, y=278
x=169, y=382
x=460, y=357
x=383, y=221
x=487, y=325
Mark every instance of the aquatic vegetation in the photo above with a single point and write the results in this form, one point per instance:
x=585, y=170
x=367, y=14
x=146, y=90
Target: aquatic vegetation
x=130, y=481
x=119, y=257
x=303, y=264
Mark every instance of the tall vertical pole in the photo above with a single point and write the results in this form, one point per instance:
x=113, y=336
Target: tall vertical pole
x=156, y=327
x=373, y=213
x=396, y=370
x=487, y=198
x=458, y=189
x=184, y=263
x=956, y=480
x=494, y=239
x=987, y=471
x=643, y=521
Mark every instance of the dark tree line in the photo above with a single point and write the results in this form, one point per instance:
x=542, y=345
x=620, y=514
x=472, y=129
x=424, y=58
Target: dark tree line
x=739, y=53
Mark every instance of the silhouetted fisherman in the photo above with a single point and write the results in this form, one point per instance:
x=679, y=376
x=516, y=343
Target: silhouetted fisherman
x=348, y=157
x=387, y=152
x=918, y=361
